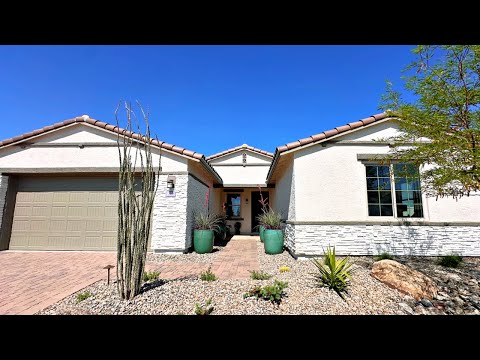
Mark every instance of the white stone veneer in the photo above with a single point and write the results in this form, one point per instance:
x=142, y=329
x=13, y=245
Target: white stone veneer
x=170, y=216
x=428, y=240
x=3, y=195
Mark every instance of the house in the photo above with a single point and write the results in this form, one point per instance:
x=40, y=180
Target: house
x=58, y=191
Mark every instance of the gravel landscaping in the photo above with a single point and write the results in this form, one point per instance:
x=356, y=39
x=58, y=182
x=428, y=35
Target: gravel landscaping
x=459, y=291
x=191, y=257
x=366, y=295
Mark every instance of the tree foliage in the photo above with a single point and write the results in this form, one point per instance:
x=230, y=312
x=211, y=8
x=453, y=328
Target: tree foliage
x=136, y=190
x=440, y=118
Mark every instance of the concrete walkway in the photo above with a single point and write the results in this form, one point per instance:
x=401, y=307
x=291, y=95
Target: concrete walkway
x=31, y=281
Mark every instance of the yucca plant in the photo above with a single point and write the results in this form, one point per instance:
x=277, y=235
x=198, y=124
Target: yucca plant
x=206, y=221
x=334, y=274
x=270, y=219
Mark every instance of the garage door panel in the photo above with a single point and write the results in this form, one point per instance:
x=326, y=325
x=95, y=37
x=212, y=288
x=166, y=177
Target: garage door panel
x=65, y=213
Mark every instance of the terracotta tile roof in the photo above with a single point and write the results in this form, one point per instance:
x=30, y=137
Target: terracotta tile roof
x=86, y=119
x=322, y=136
x=244, y=146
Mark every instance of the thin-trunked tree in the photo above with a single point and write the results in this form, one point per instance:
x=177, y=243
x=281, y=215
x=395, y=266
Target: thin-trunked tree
x=443, y=84
x=136, y=189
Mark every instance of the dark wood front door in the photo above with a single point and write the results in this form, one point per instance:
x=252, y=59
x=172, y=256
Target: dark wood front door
x=257, y=207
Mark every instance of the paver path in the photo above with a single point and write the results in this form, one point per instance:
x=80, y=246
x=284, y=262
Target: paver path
x=31, y=281
x=237, y=258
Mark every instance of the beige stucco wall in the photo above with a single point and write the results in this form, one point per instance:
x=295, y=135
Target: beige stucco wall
x=284, y=194
x=253, y=173
x=96, y=156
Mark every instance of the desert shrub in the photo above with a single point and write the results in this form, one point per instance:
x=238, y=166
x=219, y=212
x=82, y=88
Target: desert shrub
x=150, y=275
x=334, y=274
x=83, y=296
x=273, y=293
x=204, y=309
x=259, y=275
x=383, y=256
x=208, y=275
x=452, y=261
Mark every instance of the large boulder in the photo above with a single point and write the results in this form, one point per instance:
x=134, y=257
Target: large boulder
x=404, y=279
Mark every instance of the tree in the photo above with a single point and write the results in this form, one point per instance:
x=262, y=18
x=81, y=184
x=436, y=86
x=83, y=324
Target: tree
x=136, y=190
x=440, y=122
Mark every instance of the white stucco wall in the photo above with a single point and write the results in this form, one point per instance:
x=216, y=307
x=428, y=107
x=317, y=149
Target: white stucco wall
x=284, y=200
x=330, y=185
x=3, y=195
x=253, y=173
x=169, y=222
x=75, y=157
x=195, y=204
x=311, y=240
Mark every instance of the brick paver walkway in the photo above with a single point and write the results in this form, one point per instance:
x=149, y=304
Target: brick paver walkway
x=237, y=258
x=31, y=281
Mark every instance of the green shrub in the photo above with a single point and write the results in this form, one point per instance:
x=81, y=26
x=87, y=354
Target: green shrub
x=334, y=273
x=150, y=275
x=205, y=221
x=270, y=220
x=384, y=256
x=204, y=310
x=83, y=296
x=273, y=293
x=208, y=275
x=452, y=261
x=259, y=275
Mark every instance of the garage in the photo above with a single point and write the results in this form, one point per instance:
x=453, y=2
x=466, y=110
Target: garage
x=65, y=213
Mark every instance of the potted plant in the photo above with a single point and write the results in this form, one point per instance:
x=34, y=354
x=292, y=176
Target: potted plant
x=205, y=227
x=264, y=203
x=261, y=228
x=273, y=234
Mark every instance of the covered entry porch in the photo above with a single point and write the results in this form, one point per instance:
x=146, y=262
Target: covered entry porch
x=241, y=205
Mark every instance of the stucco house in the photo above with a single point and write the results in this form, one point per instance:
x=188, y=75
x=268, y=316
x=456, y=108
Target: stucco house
x=58, y=191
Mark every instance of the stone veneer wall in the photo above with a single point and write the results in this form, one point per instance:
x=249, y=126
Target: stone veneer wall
x=195, y=204
x=169, y=223
x=362, y=239
x=3, y=195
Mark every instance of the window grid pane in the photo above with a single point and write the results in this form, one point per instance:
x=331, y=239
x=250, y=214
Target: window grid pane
x=408, y=195
x=379, y=191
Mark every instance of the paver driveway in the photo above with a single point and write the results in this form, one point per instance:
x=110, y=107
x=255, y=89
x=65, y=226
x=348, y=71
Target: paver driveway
x=30, y=281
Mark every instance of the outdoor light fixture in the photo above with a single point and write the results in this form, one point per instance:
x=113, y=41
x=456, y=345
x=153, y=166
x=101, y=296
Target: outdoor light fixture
x=170, y=184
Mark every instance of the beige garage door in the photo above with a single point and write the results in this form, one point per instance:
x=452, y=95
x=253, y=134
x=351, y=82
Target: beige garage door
x=65, y=213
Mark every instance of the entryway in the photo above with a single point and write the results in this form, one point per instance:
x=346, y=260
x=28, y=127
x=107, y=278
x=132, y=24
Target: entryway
x=257, y=207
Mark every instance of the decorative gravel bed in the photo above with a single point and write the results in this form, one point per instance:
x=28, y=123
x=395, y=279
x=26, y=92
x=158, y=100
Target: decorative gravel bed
x=191, y=257
x=459, y=288
x=366, y=294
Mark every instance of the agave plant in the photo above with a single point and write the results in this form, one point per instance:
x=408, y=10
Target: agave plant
x=270, y=219
x=334, y=274
x=206, y=221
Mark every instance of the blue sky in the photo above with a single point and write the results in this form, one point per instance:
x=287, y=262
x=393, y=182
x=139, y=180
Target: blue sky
x=204, y=98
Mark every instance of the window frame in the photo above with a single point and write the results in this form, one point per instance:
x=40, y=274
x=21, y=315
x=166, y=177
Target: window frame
x=233, y=217
x=393, y=193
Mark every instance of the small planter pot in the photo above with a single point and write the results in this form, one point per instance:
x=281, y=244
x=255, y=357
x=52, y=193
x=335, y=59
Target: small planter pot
x=261, y=230
x=203, y=241
x=273, y=241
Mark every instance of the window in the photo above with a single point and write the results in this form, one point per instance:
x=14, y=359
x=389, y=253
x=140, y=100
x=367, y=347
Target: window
x=233, y=205
x=405, y=184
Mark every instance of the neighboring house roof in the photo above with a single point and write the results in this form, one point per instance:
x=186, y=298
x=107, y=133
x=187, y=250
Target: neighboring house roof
x=296, y=145
x=115, y=129
x=241, y=147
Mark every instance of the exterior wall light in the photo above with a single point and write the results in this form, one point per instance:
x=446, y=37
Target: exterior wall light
x=170, y=185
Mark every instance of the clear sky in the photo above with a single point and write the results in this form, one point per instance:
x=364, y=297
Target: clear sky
x=203, y=98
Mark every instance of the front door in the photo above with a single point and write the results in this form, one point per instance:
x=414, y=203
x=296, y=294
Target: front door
x=257, y=207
